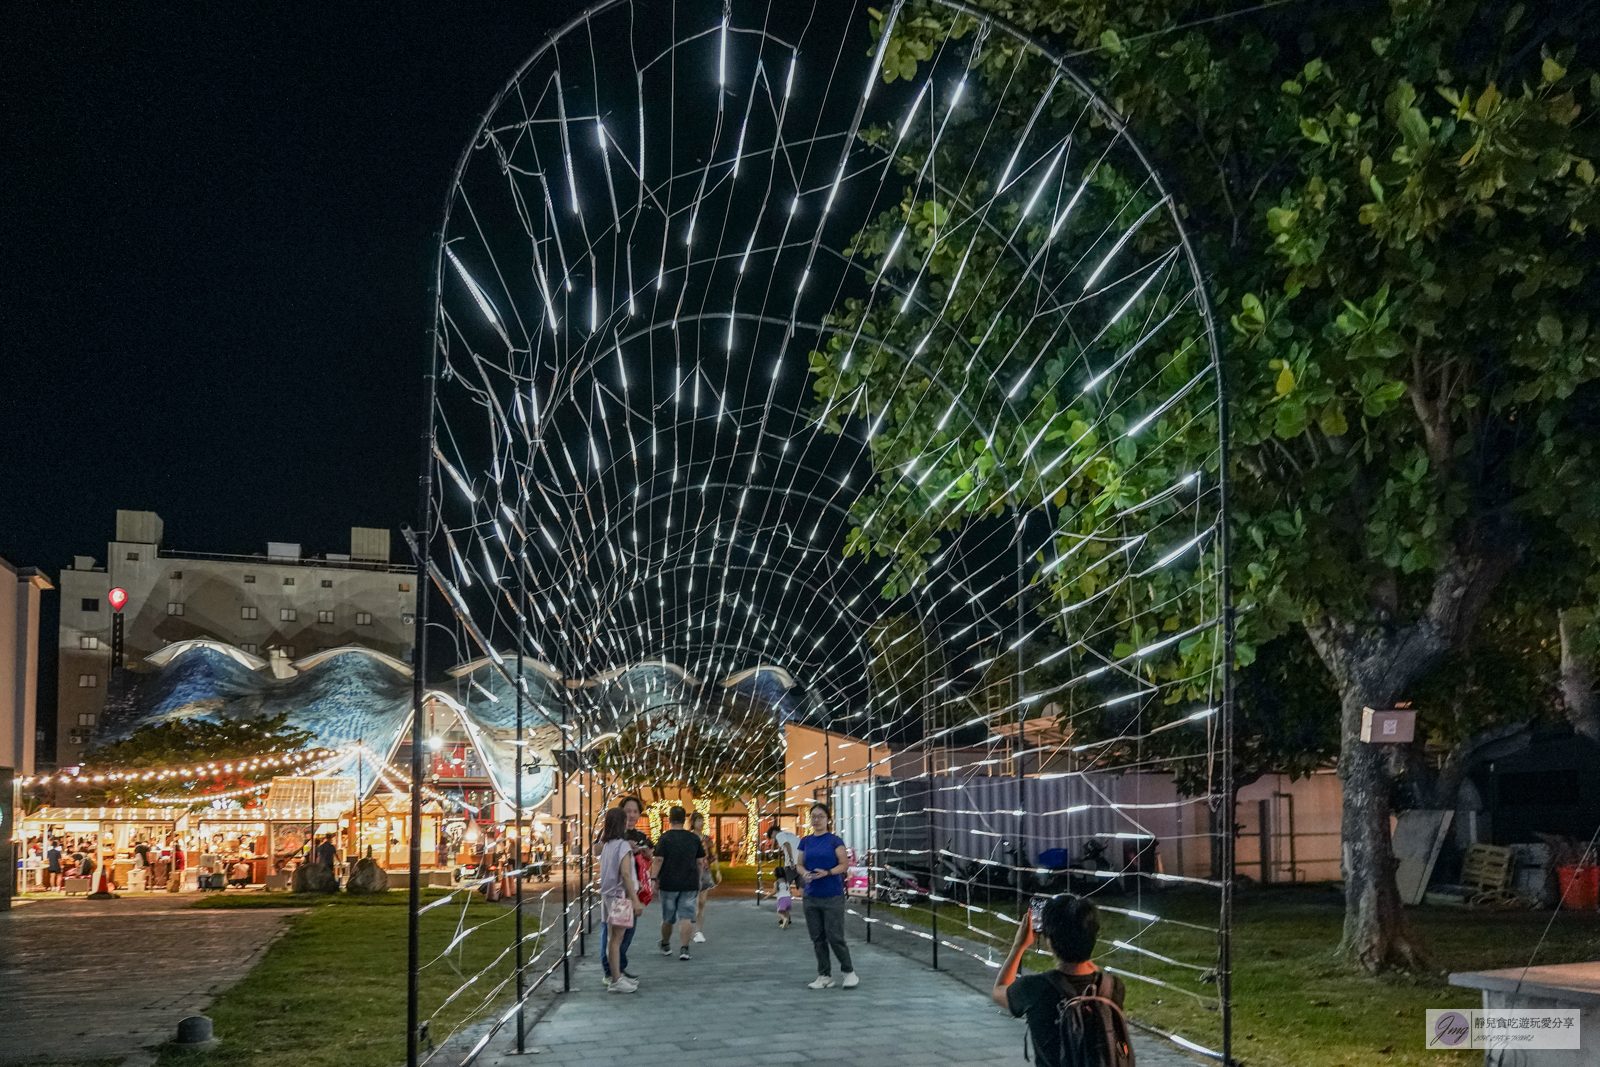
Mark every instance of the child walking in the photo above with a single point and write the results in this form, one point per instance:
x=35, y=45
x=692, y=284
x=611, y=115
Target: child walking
x=785, y=897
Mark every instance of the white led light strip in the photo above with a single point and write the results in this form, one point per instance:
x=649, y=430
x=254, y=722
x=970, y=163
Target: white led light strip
x=912, y=431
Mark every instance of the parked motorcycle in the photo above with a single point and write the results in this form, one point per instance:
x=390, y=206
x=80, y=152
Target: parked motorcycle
x=898, y=886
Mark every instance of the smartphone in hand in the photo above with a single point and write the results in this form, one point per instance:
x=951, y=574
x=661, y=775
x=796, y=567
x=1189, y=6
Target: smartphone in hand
x=1036, y=912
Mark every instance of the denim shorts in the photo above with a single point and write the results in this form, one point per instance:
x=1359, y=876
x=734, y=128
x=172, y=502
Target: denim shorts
x=678, y=907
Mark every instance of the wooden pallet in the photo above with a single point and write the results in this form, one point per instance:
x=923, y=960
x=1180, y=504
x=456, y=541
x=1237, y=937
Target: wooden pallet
x=1487, y=867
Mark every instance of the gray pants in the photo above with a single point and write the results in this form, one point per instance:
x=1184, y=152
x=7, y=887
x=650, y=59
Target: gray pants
x=825, y=924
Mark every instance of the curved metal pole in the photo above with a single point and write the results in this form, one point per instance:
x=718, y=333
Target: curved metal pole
x=522, y=634
x=566, y=908
x=419, y=665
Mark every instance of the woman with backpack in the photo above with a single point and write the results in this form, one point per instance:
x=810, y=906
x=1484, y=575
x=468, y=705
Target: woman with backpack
x=1074, y=1010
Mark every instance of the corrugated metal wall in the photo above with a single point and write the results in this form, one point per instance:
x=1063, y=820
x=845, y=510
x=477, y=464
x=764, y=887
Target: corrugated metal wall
x=978, y=817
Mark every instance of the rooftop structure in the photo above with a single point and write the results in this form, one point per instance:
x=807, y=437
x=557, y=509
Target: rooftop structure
x=271, y=610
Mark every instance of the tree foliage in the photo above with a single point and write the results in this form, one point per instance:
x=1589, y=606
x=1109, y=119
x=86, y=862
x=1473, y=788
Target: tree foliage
x=978, y=409
x=1398, y=205
x=181, y=742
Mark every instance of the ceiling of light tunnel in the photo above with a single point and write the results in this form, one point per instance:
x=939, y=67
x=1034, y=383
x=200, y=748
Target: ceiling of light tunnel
x=756, y=368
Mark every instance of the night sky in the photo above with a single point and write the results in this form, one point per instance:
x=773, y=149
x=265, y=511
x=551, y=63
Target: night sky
x=219, y=223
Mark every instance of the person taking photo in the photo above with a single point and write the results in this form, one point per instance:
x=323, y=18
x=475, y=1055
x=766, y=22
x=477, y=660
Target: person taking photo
x=1074, y=1010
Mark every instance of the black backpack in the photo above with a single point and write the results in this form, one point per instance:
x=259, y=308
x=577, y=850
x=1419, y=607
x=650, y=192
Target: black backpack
x=1093, y=1032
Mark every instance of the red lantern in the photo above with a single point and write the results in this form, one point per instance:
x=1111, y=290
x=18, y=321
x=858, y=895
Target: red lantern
x=118, y=598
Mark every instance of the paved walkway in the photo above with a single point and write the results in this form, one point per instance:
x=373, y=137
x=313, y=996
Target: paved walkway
x=742, y=1001
x=89, y=979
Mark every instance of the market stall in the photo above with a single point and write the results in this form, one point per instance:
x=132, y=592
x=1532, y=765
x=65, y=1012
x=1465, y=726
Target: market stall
x=111, y=837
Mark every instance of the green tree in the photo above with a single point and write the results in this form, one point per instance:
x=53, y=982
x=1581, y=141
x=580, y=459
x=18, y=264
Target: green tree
x=1398, y=206
x=183, y=742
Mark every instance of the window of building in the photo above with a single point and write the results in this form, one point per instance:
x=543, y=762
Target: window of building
x=89, y=643
x=286, y=615
x=249, y=579
x=174, y=609
x=249, y=613
x=363, y=618
x=249, y=647
x=133, y=557
x=405, y=587
x=324, y=616
x=177, y=574
x=288, y=581
x=90, y=603
x=88, y=681
x=85, y=719
x=327, y=583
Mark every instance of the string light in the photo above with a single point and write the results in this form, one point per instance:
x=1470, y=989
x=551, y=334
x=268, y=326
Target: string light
x=238, y=765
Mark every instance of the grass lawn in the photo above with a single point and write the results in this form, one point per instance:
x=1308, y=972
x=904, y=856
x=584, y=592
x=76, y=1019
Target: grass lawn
x=741, y=880
x=331, y=992
x=1294, y=1005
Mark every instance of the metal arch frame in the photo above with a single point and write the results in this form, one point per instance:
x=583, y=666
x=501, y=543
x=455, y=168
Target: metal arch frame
x=1120, y=124
x=422, y=543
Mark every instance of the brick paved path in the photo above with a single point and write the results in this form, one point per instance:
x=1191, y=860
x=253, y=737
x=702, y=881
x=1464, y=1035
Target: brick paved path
x=742, y=1001
x=86, y=979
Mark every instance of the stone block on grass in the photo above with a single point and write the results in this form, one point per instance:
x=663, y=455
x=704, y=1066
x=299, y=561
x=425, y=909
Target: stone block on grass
x=315, y=878
x=367, y=877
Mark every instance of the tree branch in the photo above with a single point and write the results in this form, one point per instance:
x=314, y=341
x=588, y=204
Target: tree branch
x=1434, y=413
x=1577, y=682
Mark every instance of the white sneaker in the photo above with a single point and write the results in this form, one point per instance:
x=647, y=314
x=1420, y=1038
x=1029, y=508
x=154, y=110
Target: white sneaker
x=851, y=980
x=699, y=938
x=823, y=981
x=624, y=985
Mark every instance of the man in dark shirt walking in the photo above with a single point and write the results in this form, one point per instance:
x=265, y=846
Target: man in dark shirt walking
x=680, y=857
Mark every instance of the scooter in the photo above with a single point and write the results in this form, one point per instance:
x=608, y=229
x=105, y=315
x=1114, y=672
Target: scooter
x=899, y=887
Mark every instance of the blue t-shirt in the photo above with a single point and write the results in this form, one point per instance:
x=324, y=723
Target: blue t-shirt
x=817, y=854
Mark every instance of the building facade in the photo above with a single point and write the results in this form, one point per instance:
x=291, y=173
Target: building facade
x=281, y=607
x=20, y=590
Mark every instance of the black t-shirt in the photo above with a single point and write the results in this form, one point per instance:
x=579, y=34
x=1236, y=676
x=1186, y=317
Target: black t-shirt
x=679, y=851
x=638, y=837
x=1038, y=997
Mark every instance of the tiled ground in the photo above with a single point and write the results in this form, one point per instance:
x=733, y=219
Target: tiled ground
x=742, y=1000
x=86, y=979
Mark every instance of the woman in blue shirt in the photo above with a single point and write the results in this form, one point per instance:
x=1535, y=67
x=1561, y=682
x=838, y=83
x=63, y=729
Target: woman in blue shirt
x=823, y=865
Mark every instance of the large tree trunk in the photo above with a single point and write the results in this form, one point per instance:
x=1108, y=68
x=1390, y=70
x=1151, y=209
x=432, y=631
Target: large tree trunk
x=1577, y=683
x=1373, y=664
x=1376, y=935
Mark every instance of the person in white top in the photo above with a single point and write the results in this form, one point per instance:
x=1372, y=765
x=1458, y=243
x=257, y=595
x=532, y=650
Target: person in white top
x=789, y=845
x=619, y=893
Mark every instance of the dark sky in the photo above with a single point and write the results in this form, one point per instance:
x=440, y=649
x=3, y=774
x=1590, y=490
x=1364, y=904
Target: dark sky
x=217, y=224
